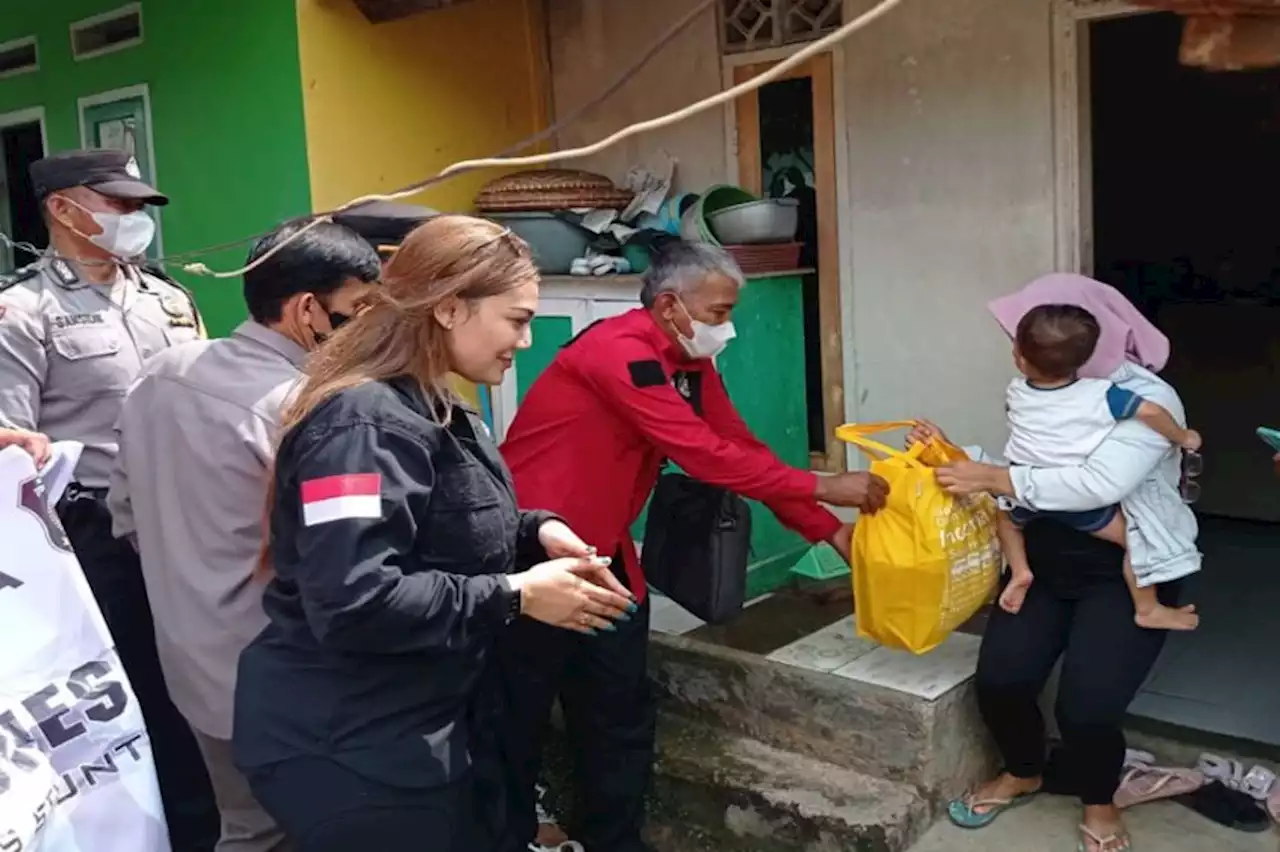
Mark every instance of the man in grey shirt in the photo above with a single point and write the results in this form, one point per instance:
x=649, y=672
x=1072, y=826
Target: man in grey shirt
x=197, y=434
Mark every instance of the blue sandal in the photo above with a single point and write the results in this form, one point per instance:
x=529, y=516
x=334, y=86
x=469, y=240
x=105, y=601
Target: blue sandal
x=964, y=813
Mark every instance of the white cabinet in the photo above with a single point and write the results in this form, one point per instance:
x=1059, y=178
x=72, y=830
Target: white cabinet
x=566, y=307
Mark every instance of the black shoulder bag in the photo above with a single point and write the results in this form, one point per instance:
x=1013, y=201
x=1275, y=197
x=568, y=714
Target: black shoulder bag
x=697, y=538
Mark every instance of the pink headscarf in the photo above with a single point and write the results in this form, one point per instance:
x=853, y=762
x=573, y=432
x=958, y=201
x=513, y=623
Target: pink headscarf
x=1126, y=334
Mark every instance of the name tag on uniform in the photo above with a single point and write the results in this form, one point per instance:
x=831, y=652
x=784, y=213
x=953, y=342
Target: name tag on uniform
x=77, y=320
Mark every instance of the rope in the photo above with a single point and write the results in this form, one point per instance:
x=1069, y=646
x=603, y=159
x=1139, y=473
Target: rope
x=574, y=117
x=503, y=160
x=799, y=58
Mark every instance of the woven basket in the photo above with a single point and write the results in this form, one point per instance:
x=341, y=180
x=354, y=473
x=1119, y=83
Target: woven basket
x=552, y=189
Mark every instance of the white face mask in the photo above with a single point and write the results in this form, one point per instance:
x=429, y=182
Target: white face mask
x=126, y=235
x=708, y=341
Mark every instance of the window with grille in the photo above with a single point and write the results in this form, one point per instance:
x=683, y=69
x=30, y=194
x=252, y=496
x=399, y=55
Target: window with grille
x=758, y=24
x=108, y=32
x=19, y=56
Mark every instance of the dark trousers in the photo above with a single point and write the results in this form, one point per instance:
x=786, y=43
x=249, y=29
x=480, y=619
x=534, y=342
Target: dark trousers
x=324, y=807
x=608, y=702
x=1086, y=618
x=115, y=575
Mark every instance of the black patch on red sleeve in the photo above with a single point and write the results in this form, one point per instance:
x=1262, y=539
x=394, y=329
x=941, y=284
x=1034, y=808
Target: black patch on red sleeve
x=647, y=374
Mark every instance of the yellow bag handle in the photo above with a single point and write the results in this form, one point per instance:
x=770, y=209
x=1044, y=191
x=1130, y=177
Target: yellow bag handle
x=856, y=434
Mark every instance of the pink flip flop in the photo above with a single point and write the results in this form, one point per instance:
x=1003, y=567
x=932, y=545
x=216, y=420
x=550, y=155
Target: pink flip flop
x=1141, y=784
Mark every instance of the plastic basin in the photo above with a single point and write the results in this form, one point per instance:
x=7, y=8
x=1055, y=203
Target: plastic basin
x=556, y=244
x=769, y=220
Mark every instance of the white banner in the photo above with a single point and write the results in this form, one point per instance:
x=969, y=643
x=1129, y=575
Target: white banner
x=75, y=763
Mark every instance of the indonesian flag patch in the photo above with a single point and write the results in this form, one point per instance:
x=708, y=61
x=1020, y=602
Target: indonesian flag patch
x=340, y=498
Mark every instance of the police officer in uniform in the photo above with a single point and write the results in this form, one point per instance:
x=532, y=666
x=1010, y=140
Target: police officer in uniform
x=75, y=329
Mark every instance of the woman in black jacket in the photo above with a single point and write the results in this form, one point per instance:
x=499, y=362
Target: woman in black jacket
x=364, y=709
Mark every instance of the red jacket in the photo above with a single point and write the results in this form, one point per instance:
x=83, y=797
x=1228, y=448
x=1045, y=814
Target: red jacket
x=589, y=438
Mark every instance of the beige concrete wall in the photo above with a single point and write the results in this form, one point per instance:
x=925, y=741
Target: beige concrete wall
x=949, y=179
x=592, y=41
x=949, y=114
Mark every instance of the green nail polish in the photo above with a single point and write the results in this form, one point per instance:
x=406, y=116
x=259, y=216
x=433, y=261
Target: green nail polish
x=624, y=617
x=633, y=607
x=611, y=628
x=591, y=631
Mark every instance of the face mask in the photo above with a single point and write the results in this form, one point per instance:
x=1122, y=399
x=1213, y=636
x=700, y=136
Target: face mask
x=125, y=235
x=708, y=341
x=336, y=321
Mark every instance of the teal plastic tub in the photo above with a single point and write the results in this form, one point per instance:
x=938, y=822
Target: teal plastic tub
x=556, y=244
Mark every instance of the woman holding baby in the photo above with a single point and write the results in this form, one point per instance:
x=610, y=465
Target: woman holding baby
x=1093, y=494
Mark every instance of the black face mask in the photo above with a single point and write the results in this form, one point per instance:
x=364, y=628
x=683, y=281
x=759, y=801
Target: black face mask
x=336, y=321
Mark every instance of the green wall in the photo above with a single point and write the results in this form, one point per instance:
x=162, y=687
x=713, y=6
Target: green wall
x=226, y=104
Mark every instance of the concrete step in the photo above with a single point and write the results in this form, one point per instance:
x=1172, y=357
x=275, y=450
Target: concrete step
x=728, y=792
x=715, y=790
x=935, y=744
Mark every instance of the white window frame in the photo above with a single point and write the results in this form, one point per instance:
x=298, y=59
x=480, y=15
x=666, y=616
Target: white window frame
x=142, y=90
x=1072, y=126
x=14, y=44
x=118, y=12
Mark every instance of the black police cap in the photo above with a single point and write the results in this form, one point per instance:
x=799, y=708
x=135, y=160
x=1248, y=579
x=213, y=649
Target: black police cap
x=107, y=171
x=384, y=223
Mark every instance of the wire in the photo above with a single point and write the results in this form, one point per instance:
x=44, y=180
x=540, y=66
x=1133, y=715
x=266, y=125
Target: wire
x=500, y=161
x=609, y=91
x=656, y=47
x=799, y=58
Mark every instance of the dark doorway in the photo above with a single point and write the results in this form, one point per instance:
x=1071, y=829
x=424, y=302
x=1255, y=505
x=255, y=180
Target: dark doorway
x=787, y=157
x=22, y=144
x=1185, y=183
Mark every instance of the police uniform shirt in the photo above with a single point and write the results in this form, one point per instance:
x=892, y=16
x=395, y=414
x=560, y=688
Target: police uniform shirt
x=69, y=350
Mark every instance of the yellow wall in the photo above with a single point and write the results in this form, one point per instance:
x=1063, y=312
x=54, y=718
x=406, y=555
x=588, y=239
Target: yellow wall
x=389, y=104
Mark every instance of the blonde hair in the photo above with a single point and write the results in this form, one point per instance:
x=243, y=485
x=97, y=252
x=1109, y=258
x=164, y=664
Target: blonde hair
x=398, y=334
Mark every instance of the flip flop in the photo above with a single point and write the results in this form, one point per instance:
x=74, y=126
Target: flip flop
x=1133, y=757
x=964, y=812
x=1113, y=843
x=1258, y=782
x=1227, y=807
x=1144, y=783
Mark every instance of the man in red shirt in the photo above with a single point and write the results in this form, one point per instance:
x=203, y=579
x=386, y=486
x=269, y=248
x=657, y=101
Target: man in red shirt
x=587, y=443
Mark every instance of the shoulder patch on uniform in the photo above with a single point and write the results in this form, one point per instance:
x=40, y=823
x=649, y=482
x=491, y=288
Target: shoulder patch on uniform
x=647, y=374
x=63, y=272
x=343, y=497
x=13, y=279
x=178, y=313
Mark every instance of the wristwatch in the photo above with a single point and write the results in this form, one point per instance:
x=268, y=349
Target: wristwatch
x=513, y=603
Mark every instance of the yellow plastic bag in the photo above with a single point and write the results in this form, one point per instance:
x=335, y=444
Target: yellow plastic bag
x=927, y=562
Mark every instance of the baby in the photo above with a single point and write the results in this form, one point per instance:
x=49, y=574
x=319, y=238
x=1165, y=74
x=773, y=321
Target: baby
x=1057, y=419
